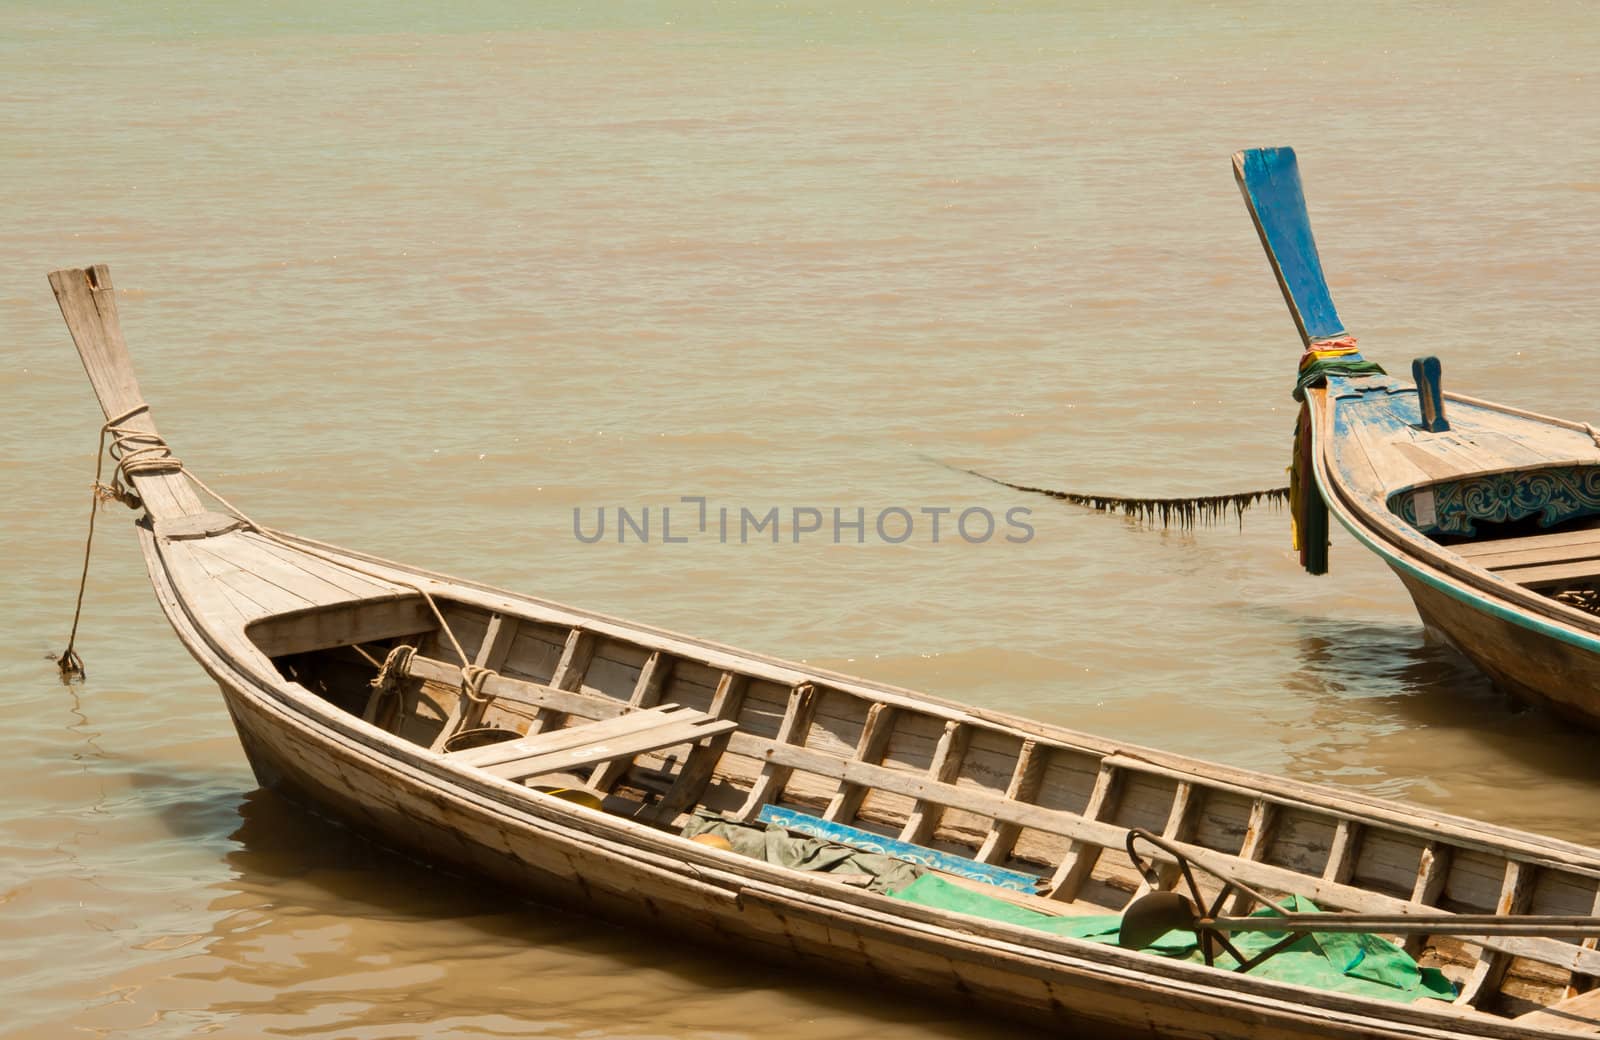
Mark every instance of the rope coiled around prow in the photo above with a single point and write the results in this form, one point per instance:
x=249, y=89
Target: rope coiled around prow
x=134, y=451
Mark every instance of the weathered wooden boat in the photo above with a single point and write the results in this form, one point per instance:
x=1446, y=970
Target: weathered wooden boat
x=614, y=767
x=1489, y=515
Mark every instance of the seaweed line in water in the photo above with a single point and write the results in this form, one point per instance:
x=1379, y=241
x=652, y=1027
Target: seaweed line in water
x=1203, y=511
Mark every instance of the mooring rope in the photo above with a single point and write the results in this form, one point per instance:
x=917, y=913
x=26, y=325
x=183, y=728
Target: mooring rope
x=142, y=451
x=135, y=451
x=1204, y=510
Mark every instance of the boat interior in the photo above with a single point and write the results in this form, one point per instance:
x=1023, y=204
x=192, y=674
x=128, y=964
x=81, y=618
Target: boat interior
x=687, y=739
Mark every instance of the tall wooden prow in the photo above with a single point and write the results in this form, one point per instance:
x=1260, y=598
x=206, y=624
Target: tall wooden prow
x=89, y=305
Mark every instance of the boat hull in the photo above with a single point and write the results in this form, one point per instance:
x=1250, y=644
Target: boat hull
x=554, y=865
x=1521, y=661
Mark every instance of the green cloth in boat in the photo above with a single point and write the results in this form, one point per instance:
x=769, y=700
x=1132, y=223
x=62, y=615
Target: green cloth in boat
x=1317, y=372
x=774, y=844
x=1359, y=965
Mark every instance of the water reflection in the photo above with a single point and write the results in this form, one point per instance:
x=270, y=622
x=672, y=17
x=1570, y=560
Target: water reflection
x=1400, y=716
x=317, y=929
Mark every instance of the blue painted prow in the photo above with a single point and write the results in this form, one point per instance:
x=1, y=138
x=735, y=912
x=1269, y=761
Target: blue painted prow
x=1270, y=181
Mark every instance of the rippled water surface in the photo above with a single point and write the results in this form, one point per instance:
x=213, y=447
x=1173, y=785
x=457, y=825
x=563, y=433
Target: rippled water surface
x=426, y=283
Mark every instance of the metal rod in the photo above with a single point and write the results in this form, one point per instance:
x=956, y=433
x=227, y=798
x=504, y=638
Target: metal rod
x=1413, y=924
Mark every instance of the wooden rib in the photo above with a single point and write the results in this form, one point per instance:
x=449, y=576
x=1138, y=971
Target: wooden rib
x=1344, y=853
x=1581, y=983
x=1181, y=819
x=1516, y=890
x=1328, y=893
x=1081, y=857
x=1579, y=1013
x=1026, y=779
x=653, y=676
x=575, y=658
x=491, y=654
x=1257, y=839
x=701, y=763
x=1432, y=873
x=944, y=768
x=793, y=730
x=846, y=802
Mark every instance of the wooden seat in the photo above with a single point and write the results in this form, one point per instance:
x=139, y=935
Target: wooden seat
x=1540, y=559
x=591, y=743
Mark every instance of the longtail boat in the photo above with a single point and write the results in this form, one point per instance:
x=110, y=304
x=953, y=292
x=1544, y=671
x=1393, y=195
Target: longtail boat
x=766, y=806
x=1489, y=515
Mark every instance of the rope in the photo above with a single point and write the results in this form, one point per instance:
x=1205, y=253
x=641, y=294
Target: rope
x=473, y=676
x=145, y=452
x=394, y=668
x=135, y=451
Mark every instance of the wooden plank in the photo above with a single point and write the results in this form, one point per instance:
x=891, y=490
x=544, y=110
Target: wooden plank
x=1581, y=983
x=910, y=852
x=1024, y=787
x=653, y=677
x=89, y=306
x=576, y=654
x=796, y=722
x=1553, y=574
x=701, y=763
x=1579, y=1015
x=1433, y=870
x=1182, y=818
x=354, y=584
x=467, y=713
x=248, y=554
x=1081, y=857
x=875, y=733
x=1345, y=850
x=944, y=767
x=1258, y=835
x=321, y=628
x=616, y=727
x=690, y=730
x=1539, y=548
x=1515, y=892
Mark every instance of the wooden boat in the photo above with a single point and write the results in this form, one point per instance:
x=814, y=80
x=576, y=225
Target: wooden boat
x=1489, y=515
x=564, y=754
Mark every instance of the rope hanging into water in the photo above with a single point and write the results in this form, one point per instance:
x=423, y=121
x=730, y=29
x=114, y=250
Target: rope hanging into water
x=135, y=451
x=141, y=451
x=1201, y=511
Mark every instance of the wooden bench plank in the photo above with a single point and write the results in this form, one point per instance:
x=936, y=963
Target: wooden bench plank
x=1579, y=1015
x=574, y=736
x=577, y=746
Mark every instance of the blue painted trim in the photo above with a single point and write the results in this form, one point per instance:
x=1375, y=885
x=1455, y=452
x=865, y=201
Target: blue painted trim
x=1270, y=178
x=866, y=841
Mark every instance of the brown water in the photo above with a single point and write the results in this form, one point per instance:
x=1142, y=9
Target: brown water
x=424, y=284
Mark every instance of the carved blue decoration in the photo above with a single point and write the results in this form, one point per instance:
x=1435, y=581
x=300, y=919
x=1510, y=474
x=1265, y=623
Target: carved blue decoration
x=1556, y=494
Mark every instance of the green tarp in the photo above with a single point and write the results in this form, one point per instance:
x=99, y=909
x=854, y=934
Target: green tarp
x=1360, y=965
x=774, y=844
